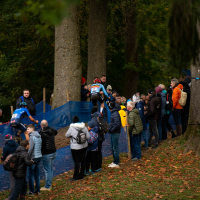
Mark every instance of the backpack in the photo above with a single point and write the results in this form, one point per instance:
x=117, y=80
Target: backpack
x=22, y=98
x=183, y=99
x=103, y=126
x=10, y=163
x=81, y=137
x=169, y=103
x=122, y=114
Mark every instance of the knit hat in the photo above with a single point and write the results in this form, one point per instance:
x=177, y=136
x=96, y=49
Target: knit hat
x=150, y=91
x=109, y=87
x=158, y=89
x=8, y=137
x=93, y=110
x=91, y=124
x=83, y=80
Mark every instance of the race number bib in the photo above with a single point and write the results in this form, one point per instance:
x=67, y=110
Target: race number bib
x=14, y=116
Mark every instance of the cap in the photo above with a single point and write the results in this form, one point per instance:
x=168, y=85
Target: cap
x=8, y=137
x=158, y=89
x=91, y=124
x=83, y=80
x=150, y=91
x=109, y=87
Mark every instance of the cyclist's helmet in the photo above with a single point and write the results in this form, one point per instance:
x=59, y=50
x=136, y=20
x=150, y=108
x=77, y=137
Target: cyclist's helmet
x=22, y=104
x=97, y=80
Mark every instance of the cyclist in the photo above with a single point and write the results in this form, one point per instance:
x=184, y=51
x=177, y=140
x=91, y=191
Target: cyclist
x=97, y=89
x=16, y=118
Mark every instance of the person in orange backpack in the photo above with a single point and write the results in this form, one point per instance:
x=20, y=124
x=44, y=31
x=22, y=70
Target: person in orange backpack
x=177, y=108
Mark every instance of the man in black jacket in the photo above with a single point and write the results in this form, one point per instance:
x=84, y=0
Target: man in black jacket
x=29, y=101
x=48, y=152
x=153, y=112
x=20, y=174
x=114, y=129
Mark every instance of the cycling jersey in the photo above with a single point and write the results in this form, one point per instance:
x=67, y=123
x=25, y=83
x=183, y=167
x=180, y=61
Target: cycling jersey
x=97, y=87
x=18, y=113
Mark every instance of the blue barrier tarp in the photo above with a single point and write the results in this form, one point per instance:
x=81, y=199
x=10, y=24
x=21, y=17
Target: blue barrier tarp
x=39, y=108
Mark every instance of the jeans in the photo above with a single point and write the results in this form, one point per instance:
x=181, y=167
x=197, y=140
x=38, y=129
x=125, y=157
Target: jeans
x=153, y=130
x=135, y=146
x=48, y=161
x=177, y=116
x=79, y=157
x=12, y=184
x=115, y=147
x=34, y=173
x=144, y=135
x=160, y=128
x=90, y=159
x=20, y=188
x=169, y=127
x=98, y=158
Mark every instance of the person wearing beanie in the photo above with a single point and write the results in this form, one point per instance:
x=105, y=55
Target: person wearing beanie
x=84, y=90
x=78, y=150
x=92, y=148
x=9, y=148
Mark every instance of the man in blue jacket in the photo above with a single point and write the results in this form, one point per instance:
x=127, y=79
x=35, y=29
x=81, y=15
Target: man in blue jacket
x=114, y=129
x=9, y=148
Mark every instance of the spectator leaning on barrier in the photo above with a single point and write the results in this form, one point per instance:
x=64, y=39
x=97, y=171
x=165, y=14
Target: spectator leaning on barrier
x=20, y=174
x=135, y=128
x=9, y=148
x=114, y=129
x=48, y=152
x=152, y=115
x=29, y=101
x=78, y=150
x=35, y=155
x=177, y=108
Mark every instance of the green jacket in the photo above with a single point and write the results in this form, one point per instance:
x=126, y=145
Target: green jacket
x=135, y=122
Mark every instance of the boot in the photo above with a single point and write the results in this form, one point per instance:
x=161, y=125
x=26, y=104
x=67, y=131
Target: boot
x=173, y=134
x=179, y=130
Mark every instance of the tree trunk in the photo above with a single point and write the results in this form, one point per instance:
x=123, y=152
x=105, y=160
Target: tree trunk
x=97, y=39
x=68, y=69
x=192, y=134
x=131, y=57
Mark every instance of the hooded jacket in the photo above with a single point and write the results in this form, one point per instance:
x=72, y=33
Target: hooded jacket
x=166, y=111
x=153, y=110
x=140, y=107
x=22, y=163
x=9, y=148
x=135, y=122
x=162, y=97
x=95, y=118
x=35, y=145
x=115, y=120
x=48, y=140
x=72, y=133
x=176, y=95
x=93, y=141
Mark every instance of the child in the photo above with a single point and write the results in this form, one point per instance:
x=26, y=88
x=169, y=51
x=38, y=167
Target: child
x=9, y=148
x=20, y=174
x=92, y=147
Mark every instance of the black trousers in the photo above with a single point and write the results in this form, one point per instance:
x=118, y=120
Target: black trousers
x=185, y=118
x=169, y=127
x=99, y=156
x=20, y=188
x=90, y=159
x=79, y=157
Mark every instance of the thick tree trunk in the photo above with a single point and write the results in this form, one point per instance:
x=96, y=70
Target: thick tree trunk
x=68, y=69
x=97, y=39
x=131, y=58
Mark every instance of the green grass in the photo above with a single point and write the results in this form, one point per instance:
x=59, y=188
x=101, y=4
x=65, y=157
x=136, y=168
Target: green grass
x=164, y=173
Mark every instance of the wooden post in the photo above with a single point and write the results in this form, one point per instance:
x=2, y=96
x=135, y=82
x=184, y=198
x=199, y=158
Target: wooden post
x=67, y=95
x=44, y=100
x=11, y=108
x=128, y=137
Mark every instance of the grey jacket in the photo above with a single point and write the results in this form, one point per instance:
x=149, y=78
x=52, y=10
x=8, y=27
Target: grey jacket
x=35, y=145
x=72, y=133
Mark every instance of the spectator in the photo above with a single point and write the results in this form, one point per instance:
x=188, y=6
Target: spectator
x=92, y=147
x=143, y=97
x=140, y=107
x=136, y=98
x=9, y=148
x=114, y=129
x=118, y=99
x=146, y=102
x=123, y=101
x=48, y=152
x=109, y=92
x=129, y=99
x=152, y=115
x=114, y=95
x=103, y=81
x=134, y=129
x=29, y=101
x=35, y=155
x=89, y=93
x=95, y=118
x=84, y=90
x=20, y=174
x=78, y=150
x=176, y=111
x=186, y=109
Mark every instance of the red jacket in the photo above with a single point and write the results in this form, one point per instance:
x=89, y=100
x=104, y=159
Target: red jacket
x=176, y=95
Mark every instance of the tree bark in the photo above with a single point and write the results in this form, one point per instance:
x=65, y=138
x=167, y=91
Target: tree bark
x=97, y=39
x=68, y=69
x=131, y=57
x=192, y=134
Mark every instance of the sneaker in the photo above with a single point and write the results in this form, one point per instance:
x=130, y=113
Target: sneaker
x=99, y=169
x=111, y=164
x=37, y=193
x=114, y=166
x=45, y=189
x=135, y=159
x=30, y=193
